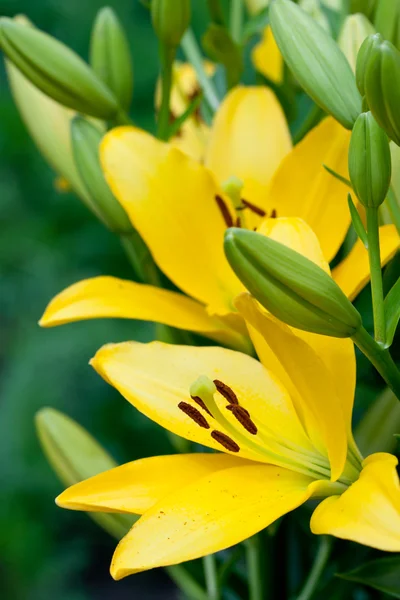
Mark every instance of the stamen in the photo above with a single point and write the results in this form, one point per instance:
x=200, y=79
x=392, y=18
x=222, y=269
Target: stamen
x=253, y=207
x=224, y=211
x=194, y=414
x=238, y=222
x=226, y=391
x=201, y=403
x=243, y=416
x=273, y=214
x=225, y=441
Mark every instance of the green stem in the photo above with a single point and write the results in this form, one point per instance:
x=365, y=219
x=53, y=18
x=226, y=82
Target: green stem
x=167, y=55
x=380, y=358
x=141, y=259
x=186, y=583
x=215, y=10
x=317, y=569
x=194, y=56
x=374, y=253
x=236, y=20
x=122, y=118
x=394, y=208
x=211, y=577
x=254, y=568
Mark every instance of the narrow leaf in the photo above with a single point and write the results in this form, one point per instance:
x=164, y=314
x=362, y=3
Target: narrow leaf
x=392, y=312
x=382, y=574
x=177, y=124
x=357, y=223
x=337, y=176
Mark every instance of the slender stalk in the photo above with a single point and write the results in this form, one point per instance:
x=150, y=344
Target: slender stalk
x=374, y=253
x=186, y=583
x=140, y=258
x=254, y=568
x=394, y=208
x=236, y=20
x=317, y=569
x=380, y=358
x=211, y=577
x=122, y=118
x=167, y=55
x=194, y=56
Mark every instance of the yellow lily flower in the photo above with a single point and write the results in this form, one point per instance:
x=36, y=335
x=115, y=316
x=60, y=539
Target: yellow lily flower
x=181, y=210
x=267, y=57
x=279, y=446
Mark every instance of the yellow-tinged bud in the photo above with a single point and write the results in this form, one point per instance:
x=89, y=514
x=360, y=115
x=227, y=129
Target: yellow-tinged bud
x=353, y=33
x=74, y=456
x=316, y=61
x=387, y=20
x=369, y=161
x=170, y=20
x=256, y=6
x=290, y=286
x=86, y=139
x=110, y=57
x=56, y=70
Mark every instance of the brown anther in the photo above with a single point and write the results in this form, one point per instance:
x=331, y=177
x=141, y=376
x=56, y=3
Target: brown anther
x=273, y=214
x=238, y=222
x=194, y=414
x=226, y=391
x=225, y=441
x=243, y=416
x=253, y=207
x=201, y=403
x=224, y=211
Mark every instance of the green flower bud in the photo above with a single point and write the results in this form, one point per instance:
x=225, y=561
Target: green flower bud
x=387, y=20
x=56, y=70
x=85, y=146
x=369, y=161
x=290, y=286
x=382, y=88
x=353, y=33
x=74, y=456
x=170, y=20
x=316, y=61
x=110, y=57
x=364, y=55
x=314, y=9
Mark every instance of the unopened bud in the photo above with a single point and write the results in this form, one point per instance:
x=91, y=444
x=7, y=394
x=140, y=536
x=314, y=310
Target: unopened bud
x=290, y=286
x=110, y=57
x=170, y=20
x=86, y=139
x=56, y=70
x=74, y=456
x=316, y=61
x=353, y=33
x=387, y=20
x=369, y=161
x=365, y=53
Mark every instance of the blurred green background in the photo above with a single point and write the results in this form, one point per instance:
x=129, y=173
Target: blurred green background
x=49, y=240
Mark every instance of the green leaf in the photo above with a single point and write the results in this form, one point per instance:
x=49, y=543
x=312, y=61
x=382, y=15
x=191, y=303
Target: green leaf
x=256, y=25
x=177, y=124
x=382, y=574
x=221, y=48
x=337, y=176
x=392, y=312
x=357, y=223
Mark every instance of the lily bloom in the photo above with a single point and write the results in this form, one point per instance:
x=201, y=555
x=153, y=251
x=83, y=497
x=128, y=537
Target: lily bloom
x=182, y=207
x=282, y=431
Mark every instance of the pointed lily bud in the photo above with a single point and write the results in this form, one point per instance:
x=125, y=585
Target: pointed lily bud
x=110, y=57
x=86, y=139
x=290, y=286
x=387, y=21
x=75, y=455
x=369, y=161
x=56, y=70
x=365, y=53
x=170, y=20
x=316, y=61
x=353, y=33
x=382, y=86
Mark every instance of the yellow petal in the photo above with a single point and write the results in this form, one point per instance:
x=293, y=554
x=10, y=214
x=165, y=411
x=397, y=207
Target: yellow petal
x=369, y=511
x=305, y=376
x=208, y=515
x=170, y=199
x=303, y=188
x=102, y=297
x=267, y=58
x=248, y=139
x=352, y=274
x=156, y=377
x=137, y=486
